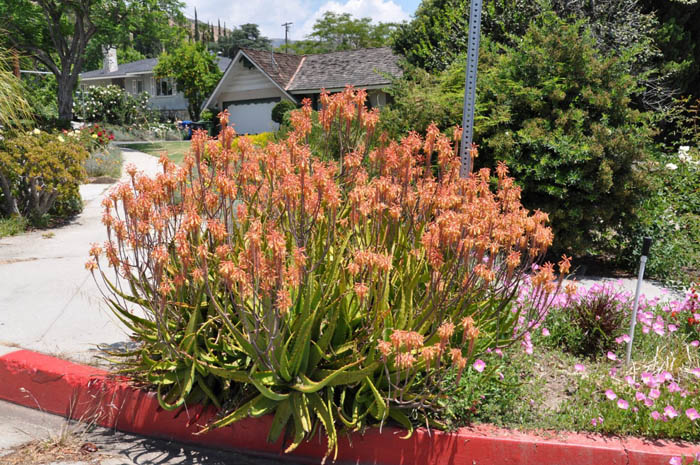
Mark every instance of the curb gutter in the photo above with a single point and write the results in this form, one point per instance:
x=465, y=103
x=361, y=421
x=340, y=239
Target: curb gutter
x=87, y=393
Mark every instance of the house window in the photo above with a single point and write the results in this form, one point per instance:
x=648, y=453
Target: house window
x=137, y=86
x=164, y=86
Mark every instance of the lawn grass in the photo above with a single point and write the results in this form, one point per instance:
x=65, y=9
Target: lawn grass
x=12, y=225
x=176, y=150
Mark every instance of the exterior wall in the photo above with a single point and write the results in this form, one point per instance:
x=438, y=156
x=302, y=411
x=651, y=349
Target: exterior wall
x=171, y=106
x=243, y=83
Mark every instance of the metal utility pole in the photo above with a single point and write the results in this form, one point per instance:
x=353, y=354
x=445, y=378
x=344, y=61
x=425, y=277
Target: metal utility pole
x=470, y=88
x=286, y=34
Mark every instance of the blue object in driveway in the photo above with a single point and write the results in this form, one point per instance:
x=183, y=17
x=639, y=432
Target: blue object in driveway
x=187, y=124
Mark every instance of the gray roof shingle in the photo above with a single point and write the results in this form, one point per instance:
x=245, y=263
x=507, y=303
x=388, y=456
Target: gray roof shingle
x=281, y=69
x=364, y=67
x=140, y=66
x=294, y=73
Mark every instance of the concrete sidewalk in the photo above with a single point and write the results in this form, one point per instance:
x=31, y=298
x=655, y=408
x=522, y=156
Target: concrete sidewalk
x=48, y=301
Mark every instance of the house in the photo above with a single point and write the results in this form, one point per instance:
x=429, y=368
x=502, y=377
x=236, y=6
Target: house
x=256, y=80
x=137, y=77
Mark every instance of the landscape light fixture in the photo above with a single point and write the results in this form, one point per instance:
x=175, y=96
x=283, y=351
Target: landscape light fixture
x=640, y=277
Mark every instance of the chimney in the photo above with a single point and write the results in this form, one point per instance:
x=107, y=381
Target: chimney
x=110, y=64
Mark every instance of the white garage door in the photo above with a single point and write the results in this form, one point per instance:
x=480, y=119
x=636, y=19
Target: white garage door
x=252, y=116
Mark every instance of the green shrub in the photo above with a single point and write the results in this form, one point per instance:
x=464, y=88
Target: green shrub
x=112, y=104
x=671, y=216
x=279, y=110
x=278, y=284
x=106, y=162
x=671, y=213
x=12, y=225
x=558, y=113
x=40, y=173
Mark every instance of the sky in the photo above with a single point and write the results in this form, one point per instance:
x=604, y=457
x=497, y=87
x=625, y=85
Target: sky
x=270, y=14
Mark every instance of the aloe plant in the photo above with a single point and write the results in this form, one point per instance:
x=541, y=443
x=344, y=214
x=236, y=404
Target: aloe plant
x=332, y=290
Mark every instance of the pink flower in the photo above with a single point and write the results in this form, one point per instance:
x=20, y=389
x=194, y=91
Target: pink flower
x=670, y=412
x=692, y=414
x=648, y=402
x=613, y=371
x=656, y=415
x=610, y=394
x=640, y=396
x=674, y=387
x=696, y=372
x=646, y=378
x=623, y=404
x=672, y=328
x=612, y=356
x=622, y=339
x=579, y=367
x=654, y=393
x=629, y=380
x=479, y=365
x=545, y=332
x=675, y=461
x=667, y=376
x=695, y=343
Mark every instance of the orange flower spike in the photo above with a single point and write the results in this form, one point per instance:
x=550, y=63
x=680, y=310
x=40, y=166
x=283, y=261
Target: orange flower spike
x=385, y=349
x=160, y=255
x=445, y=332
x=397, y=339
x=223, y=251
x=501, y=170
x=459, y=361
x=361, y=290
x=456, y=356
x=197, y=275
x=164, y=287
x=564, y=265
x=457, y=134
x=429, y=354
x=467, y=324
x=91, y=265
x=95, y=250
x=284, y=301
x=405, y=361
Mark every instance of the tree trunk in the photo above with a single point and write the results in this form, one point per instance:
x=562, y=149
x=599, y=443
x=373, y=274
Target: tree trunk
x=65, y=98
x=10, y=206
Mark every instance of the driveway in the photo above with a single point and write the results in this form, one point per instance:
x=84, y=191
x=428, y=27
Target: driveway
x=48, y=301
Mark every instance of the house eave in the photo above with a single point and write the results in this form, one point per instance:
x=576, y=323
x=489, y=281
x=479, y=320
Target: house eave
x=339, y=89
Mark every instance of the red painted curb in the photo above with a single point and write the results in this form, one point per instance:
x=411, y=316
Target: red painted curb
x=81, y=392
